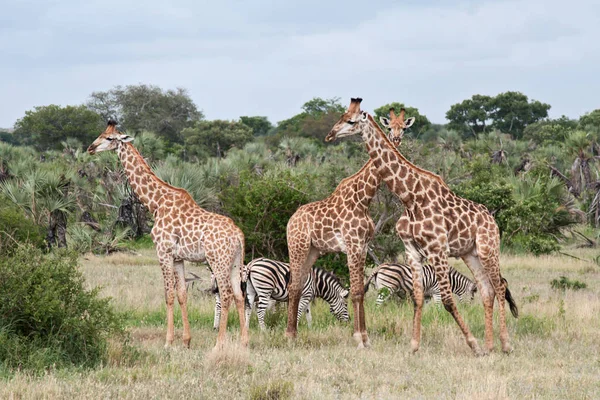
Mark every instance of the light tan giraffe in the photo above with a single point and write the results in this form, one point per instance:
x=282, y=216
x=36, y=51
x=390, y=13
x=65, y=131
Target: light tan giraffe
x=436, y=224
x=182, y=231
x=339, y=223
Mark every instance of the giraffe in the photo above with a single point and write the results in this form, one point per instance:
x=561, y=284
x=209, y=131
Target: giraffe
x=436, y=224
x=182, y=231
x=339, y=223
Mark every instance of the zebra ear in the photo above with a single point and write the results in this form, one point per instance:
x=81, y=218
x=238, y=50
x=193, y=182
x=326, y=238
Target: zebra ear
x=345, y=293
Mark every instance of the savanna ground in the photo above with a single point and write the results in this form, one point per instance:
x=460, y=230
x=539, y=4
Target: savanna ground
x=556, y=344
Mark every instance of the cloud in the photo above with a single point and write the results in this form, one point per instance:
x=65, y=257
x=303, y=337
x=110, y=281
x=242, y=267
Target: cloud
x=269, y=57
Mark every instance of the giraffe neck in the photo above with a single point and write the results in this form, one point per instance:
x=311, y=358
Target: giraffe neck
x=146, y=185
x=401, y=176
x=366, y=181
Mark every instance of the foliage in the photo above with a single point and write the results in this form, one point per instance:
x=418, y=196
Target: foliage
x=549, y=131
x=509, y=112
x=591, y=119
x=46, y=127
x=276, y=390
x=48, y=319
x=260, y=125
x=15, y=229
x=148, y=108
x=421, y=121
x=565, y=283
x=262, y=206
x=317, y=117
x=214, y=138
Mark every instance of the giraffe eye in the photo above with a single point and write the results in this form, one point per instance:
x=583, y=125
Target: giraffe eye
x=351, y=122
x=110, y=139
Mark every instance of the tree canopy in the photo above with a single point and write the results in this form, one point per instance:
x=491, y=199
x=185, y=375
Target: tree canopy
x=214, y=138
x=46, y=127
x=260, y=125
x=509, y=112
x=148, y=108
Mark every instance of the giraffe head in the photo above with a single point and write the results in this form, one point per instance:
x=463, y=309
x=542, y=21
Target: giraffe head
x=109, y=139
x=350, y=123
x=396, y=125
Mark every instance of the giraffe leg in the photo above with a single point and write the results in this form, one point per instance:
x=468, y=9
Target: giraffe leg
x=179, y=273
x=356, y=267
x=302, y=258
x=238, y=295
x=486, y=290
x=439, y=260
x=490, y=258
x=166, y=265
x=414, y=259
x=226, y=293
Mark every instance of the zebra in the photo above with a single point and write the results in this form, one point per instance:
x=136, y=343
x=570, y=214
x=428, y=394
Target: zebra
x=397, y=278
x=267, y=282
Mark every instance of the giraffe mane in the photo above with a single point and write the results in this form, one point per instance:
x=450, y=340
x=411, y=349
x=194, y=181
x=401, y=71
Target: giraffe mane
x=404, y=159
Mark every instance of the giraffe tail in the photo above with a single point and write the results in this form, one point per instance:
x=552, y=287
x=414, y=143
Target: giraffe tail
x=511, y=301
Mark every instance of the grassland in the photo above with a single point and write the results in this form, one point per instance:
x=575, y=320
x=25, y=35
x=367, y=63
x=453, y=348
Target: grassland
x=556, y=344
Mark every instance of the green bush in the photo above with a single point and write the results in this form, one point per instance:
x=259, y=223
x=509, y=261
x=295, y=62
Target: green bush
x=261, y=206
x=47, y=317
x=15, y=228
x=565, y=283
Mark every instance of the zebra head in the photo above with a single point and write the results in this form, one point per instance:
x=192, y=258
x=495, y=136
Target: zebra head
x=330, y=289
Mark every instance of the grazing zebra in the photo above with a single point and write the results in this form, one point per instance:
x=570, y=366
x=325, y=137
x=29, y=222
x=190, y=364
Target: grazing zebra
x=268, y=281
x=397, y=278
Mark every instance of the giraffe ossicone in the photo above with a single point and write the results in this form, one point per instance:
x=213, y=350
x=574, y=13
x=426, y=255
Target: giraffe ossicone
x=182, y=231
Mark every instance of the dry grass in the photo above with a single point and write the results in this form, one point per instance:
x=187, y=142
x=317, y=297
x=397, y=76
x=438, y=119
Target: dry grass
x=556, y=346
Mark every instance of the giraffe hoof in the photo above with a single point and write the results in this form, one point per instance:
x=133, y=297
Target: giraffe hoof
x=414, y=346
x=507, y=349
x=290, y=335
x=186, y=342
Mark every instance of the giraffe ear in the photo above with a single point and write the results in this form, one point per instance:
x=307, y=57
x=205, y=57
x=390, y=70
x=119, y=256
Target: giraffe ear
x=385, y=122
x=125, y=138
x=408, y=123
x=363, y=115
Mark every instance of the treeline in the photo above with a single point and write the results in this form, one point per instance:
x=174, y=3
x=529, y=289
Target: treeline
x=538, y=176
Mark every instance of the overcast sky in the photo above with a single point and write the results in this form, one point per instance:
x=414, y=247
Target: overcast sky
x=268, y=57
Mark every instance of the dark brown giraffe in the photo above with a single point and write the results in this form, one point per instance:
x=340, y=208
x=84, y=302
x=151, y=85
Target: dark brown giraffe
x=436, y=224
x=339, y=223
x=182, y=231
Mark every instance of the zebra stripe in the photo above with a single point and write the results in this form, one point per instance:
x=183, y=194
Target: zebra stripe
x=397, y=278
x=268, y=281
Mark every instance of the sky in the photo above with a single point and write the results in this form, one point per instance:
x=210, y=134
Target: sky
x=268, y=57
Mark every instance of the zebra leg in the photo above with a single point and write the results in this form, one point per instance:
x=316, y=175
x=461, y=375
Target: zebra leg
x=308, y=316
x=249, y=304
x=217, y=312
x=302, y=306
x=263, y=304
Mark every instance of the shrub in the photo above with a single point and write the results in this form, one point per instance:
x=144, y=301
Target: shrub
x=15, y=228
x=565, y=283
x=261, y=206
x=47, y=317
x=276, y=390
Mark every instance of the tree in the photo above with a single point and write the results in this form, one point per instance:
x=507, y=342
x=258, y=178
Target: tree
x=421, y=121
x=591, y=119
x=260, y=125
x=316, y=119
x=147, y=107
x=512, y=112
x=471, y=116
x=46, y=127
x=550, y=131
x=213, y=138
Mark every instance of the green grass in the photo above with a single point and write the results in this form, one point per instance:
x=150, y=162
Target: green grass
x=555, y=345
